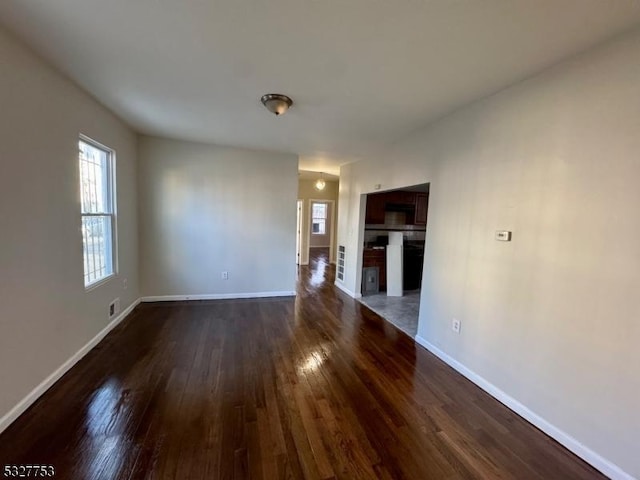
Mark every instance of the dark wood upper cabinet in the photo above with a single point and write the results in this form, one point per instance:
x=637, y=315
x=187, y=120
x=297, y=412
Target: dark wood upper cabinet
x=412, y=203
x=422, y=205
x=407, y=198
x=375, y=209
x=399, y=198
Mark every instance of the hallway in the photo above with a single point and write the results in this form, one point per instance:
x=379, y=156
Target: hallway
x=312, y=387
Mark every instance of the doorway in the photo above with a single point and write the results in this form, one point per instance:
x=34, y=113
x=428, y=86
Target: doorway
x=394, y=236
x=320, y=233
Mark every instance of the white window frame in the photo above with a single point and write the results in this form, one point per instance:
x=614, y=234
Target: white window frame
x=110, y=213
x=315, y=219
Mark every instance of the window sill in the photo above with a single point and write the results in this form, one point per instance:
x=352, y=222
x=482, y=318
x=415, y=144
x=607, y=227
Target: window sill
x=99, y=283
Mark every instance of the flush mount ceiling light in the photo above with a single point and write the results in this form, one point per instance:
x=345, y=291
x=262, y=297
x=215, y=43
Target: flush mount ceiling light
x=276, y=103
x=320, y=183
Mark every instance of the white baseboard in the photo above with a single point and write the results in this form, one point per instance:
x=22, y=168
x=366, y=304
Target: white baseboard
x=597, y=461
x=32, y=396
x=346, y=290
x=217, y=296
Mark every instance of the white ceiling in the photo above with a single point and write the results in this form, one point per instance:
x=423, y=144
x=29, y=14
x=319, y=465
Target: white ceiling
x=362, y=73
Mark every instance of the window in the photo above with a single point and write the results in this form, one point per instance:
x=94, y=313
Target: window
x=98, y=210
x=319, y=218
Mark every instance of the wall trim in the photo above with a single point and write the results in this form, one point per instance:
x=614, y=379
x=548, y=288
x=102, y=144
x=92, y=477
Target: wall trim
x=216, y=296
x=48, y=382
x=605, y=466
x=347, y=291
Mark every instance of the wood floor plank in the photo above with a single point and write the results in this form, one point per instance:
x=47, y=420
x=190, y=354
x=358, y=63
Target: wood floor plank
x=312, y=387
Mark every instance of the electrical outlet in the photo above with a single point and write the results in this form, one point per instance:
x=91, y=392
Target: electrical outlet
x=503, y=235
x=455, y=325
x=225, y=275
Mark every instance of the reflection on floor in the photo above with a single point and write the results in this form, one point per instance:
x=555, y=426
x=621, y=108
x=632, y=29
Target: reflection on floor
x=401, y=311
x=318, y=263
x=318, y=254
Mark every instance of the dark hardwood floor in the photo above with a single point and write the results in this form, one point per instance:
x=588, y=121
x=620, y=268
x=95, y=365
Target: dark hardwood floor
x=312, y=387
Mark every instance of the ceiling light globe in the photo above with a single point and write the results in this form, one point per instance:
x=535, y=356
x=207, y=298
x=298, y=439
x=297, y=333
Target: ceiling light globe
x=276, y=103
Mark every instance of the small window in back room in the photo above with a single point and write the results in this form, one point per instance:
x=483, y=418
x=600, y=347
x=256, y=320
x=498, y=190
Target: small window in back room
x=319, y=218
x=97, y=195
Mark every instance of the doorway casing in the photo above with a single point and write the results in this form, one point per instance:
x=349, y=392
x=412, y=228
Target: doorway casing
x=299, y=232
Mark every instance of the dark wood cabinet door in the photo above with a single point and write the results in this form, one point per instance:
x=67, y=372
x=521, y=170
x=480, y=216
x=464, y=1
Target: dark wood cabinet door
x=422, y=205
x=375, y=209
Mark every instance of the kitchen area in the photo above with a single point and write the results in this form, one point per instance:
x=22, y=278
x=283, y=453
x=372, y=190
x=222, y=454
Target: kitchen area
x=393, y=254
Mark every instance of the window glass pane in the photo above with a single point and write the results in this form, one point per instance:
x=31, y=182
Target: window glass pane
x=97, y=247
x=318, y=227
x=94, y=179
x=319, y=210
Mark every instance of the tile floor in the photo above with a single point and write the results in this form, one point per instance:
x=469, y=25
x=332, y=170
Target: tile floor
x=401, y=311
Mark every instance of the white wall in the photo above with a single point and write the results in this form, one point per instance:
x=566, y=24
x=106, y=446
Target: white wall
x=45, y=314
x=205, y=209
x=552, y=319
